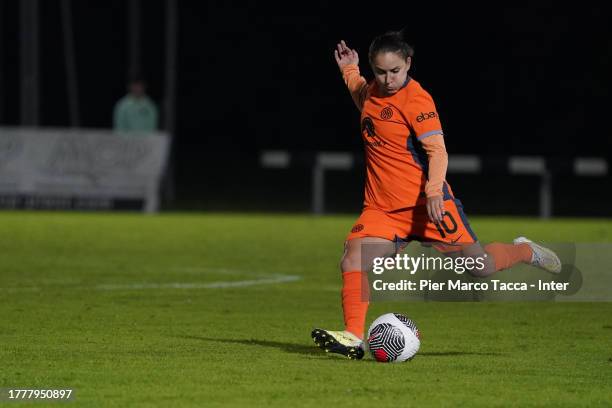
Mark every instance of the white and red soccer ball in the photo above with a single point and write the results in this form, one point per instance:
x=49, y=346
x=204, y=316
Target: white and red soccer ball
x=393, y=338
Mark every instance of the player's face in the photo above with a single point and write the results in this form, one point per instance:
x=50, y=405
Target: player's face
x=390, y=71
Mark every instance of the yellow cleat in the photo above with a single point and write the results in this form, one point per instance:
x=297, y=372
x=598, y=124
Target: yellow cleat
x=339, y=342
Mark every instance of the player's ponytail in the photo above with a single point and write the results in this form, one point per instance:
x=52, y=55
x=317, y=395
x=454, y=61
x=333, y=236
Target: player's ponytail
x=391, y=41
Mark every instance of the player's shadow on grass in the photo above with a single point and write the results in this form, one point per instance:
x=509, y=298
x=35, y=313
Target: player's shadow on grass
x=313, y=351
x=286, y=347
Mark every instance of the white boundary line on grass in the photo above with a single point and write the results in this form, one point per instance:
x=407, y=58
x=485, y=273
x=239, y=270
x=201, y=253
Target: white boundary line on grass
x=264, y=280
x=198, y=270
x=210, y=285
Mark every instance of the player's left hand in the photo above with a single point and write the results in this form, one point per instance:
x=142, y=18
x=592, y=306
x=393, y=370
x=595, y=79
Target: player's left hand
x=345, y=56
x=435, y=208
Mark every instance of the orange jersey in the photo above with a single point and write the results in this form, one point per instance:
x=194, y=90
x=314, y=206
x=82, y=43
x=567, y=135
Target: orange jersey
x=394, y=129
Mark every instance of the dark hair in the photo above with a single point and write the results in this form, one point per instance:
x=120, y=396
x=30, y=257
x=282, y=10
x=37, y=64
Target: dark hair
x=391, y=41
x=136, y=78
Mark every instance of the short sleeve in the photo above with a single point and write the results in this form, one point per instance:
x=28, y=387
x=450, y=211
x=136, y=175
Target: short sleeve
x=423, y=116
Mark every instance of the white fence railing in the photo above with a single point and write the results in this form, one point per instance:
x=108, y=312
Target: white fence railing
x=456, y=164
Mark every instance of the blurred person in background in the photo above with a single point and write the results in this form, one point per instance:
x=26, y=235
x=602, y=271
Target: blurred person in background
x=136, y=112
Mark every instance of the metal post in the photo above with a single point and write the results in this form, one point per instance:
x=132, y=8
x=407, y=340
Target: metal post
x=28, y=10
x=170, y=95
x=318, y=188
x=70, y=64
x=170, y=80
x=546, y=195
x=326, y=161
x=133, y=30
x=1, y=66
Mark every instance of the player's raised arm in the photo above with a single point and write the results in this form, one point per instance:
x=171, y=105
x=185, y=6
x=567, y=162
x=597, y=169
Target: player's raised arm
x=348, y=62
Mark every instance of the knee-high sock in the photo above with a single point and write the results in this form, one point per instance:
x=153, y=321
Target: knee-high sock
x=355, y=301
x=507, y=255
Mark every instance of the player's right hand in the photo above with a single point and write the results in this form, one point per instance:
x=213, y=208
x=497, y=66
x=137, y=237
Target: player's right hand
x=345, y=56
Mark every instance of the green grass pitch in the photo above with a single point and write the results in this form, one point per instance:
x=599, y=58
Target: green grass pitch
x=216, y=310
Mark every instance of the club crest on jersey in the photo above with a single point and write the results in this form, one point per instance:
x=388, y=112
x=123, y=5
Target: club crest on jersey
x=386, y=113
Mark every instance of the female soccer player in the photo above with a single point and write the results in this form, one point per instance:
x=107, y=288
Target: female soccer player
x=406, y=194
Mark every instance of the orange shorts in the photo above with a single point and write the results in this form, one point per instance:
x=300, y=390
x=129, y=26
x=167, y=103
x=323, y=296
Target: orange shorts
x=412, y=224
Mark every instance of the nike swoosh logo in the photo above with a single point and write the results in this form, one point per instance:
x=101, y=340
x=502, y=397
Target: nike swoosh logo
x=456, y=239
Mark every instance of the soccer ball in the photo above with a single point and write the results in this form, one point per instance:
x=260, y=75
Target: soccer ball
x=393, y=338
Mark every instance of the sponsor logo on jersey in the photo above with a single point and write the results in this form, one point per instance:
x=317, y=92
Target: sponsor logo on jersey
x=369, y=133
x=367, y=127
x=424, y=116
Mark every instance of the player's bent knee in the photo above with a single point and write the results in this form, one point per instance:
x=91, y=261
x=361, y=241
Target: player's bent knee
x=479, y=272
x=487, y=268
x=350, y=262
x=359, y=253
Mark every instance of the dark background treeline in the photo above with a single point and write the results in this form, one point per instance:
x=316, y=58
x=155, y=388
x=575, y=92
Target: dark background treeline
x=528, y=79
